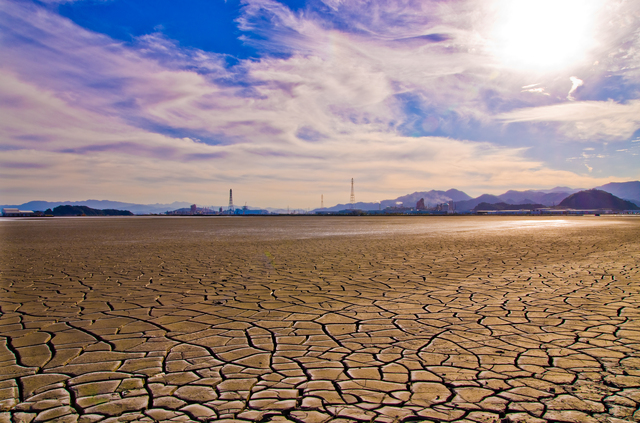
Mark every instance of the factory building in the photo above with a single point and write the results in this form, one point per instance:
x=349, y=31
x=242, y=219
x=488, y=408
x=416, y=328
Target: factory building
x=15, y=212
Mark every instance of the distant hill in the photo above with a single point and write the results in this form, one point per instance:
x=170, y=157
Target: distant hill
x=102, y=205
x=506, y=206
x=457, y=195
x=597, y=199
x=535, y=196
x=560, y=189
x=626, y=190
x=69, y=210
x=432, y=197
x=468, y=205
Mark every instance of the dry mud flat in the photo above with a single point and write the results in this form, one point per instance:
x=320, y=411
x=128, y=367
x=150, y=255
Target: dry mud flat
x=320, y=319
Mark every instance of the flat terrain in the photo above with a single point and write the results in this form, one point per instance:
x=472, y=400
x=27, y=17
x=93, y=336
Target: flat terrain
x=483, y=319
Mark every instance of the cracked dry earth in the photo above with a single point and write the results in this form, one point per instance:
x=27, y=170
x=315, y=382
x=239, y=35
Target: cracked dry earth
x=467, y=319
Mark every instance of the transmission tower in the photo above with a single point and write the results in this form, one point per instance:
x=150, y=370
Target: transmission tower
x=352, y=199
x=231, y=209
x=322, y=201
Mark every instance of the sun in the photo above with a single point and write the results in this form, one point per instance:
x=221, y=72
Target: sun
x=544, y=34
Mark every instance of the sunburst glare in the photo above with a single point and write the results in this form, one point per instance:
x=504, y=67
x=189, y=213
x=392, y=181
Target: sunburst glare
x=544, y=34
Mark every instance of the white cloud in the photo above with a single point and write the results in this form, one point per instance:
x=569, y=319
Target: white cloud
x=575, y=84
x=538, y=90
x=586, y=120
x=83, y=153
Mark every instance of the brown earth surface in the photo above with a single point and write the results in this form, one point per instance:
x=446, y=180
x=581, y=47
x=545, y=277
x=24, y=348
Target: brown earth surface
x=308, y=319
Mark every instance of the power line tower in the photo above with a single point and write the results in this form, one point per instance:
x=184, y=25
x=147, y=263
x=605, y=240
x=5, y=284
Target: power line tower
x=352, y=198
x=231, y=209
x=322, y=201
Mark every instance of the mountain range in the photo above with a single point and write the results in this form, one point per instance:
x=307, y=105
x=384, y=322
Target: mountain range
x=629, y=191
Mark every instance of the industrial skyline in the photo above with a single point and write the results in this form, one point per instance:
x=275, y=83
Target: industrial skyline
x=432, y=200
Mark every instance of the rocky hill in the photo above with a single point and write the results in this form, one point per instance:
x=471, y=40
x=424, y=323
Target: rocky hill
x=596, y=199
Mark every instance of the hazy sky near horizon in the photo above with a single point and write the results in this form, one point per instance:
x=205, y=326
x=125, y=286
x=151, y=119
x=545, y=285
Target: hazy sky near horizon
x=158, y=100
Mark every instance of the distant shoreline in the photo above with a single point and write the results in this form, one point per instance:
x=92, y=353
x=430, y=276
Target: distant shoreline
x=331, y=216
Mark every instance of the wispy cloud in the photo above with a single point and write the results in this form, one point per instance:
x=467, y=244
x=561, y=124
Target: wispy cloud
x=534, y=89
x=587, y=120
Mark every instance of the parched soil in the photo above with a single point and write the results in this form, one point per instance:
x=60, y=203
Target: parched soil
x=309, y=319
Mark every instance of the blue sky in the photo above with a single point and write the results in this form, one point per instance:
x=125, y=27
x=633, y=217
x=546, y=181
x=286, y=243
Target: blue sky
x=156, y=100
